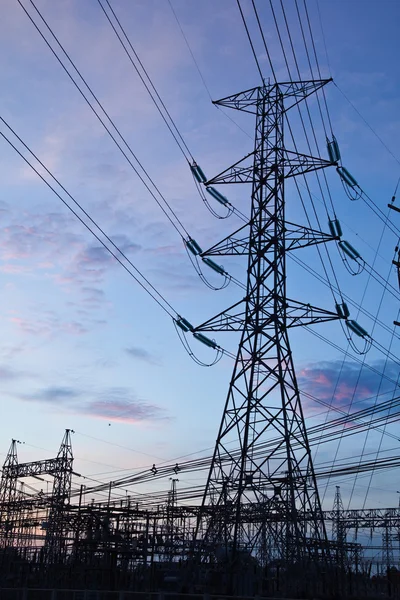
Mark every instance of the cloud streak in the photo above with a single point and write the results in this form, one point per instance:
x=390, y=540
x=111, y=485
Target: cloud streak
x=117, y=404
x=142, y=354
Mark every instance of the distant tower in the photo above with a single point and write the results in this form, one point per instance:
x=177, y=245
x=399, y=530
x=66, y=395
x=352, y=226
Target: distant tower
x=261, y=484
x=338, y=527
x=57, y=526
x=387, y=544
x=8, y=496
x=171, y=519
x=338, y=531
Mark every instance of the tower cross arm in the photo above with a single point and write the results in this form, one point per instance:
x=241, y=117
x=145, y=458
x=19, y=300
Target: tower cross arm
x=299, y=236
x=295, y=163
x=247, y=101
x=299, y=164
x=299, y=314
x=231, y=319
x=234, y=173
x=234, y=244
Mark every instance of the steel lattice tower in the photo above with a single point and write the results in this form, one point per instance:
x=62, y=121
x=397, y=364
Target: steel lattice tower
x=250, y=495
x=55, y=543
x=8, y=496
x=338, y=530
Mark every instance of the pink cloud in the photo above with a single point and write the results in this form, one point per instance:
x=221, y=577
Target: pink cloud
x=347, y=383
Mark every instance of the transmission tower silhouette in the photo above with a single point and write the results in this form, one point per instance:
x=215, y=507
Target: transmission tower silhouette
x=8, y=494
x=264, y=497
x=62, y=470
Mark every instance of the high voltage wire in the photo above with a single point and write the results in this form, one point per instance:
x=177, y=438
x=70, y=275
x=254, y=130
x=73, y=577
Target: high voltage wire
x=316, y=58
x=321, y=113
x=161, y=201
x=73, y=63
x=363, y=361
x=161, y=301
x=168, y=211
x=298, y=68
x=168, y=120
x=190, y=50
x=252, y=46
x=308, y=144
x=201, y=74
x=202, y=464
x=156, y=98
x=175, y=221
x=291, y=133
x=334, y=422
x=356, y=416
x=264, y=41
x=250, y=41
x=159, y=103
x=367, y=124
x=153, y=292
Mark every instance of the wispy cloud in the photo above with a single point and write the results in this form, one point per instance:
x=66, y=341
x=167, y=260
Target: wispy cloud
x=8, y=373
x=141, y=354
x=112, y=404
x=54, y=394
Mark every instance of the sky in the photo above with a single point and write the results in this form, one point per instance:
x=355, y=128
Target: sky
x=83, y=346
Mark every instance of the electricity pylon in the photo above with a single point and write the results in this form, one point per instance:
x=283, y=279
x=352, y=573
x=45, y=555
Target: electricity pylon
x=56, y=542
x=265, y=490
x=8, y=496
x=338, y=528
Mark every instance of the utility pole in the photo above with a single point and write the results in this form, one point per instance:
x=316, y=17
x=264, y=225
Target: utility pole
x=267, y=490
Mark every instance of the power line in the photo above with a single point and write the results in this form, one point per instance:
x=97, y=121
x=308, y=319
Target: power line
x=160, y=105
x=196, y=63
x=250, y=41
x=316, y=58
x=168, y=211
x=190, y=50
x=367, y=124
x=323, y=36
x=162, y=302
x=293, y=54
x=174, y=129
x=264, y=41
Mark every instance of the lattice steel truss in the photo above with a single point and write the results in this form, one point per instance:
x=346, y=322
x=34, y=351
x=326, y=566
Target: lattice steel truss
x=16, y=508
x=263, y=395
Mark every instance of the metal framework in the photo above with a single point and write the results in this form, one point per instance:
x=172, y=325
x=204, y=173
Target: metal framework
x=145, y=543
x=12, y=501
x=263, y=395
x=8, y=495
x=260, y=524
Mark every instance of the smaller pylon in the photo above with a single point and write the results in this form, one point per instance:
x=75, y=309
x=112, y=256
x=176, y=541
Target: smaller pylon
x=56, y=542
x=171, y=516
x=387, y=543
x=338, y=528
x=8, y=495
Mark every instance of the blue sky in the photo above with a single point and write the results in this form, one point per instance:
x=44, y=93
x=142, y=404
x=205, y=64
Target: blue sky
x=82, y=345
